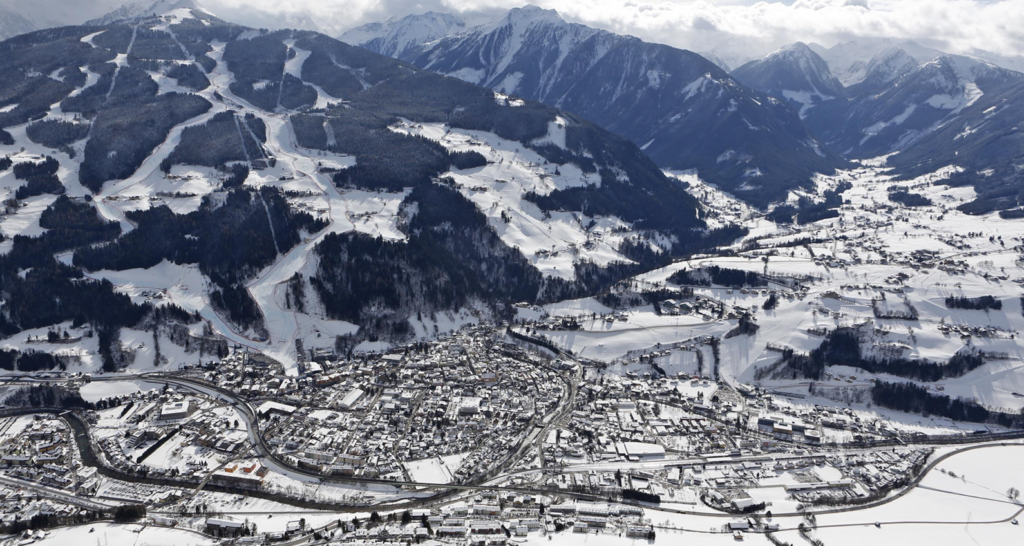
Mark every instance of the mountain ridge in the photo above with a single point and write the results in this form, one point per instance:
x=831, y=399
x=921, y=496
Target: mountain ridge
x=244, y=160
x=683, y=110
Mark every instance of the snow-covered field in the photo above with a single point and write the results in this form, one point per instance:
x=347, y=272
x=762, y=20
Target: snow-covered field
x=113, y=533
x=850, y=261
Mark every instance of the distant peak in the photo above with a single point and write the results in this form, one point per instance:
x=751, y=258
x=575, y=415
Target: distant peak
x=428, y=16
x=147, y=8
x=795, y=47
x=530, y=14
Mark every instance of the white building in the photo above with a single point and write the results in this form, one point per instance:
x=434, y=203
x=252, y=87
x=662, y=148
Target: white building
x=175, y=410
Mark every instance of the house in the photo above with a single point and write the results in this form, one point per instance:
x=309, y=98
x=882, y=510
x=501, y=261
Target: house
x=638, y=531
x=451, y=531
x=224, y=528
x=743, y=504
x=484, y=527
x=248, y=475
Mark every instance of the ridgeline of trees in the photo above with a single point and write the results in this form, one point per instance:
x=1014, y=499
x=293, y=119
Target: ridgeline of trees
x=32, y=361
x=807, y=211
x=841, y=347
x=979, y=303
x=467, y=160
x=40, y=178
x=911, y=398
x=189, y=76
x=47, y=396
x=224, y=138
x=722, y=276
x=57, y=133
x=901, y=195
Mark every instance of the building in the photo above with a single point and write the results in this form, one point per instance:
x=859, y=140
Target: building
x=243, y=474
x=224, y=528
x=175, y=410
x=352, y=398
x=640, y=451
x=638, y=531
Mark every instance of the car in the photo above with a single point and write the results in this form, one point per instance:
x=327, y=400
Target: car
x=878, y=524
x=1013, y=521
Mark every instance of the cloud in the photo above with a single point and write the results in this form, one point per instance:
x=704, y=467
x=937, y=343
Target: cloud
x=951, y=25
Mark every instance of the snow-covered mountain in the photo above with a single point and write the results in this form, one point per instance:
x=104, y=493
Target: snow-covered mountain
x=283, y=186
x=13, y=23
x=889, y=118
x=735, y=51
x=794, y=73
x=717, y=59
x=144, y=8
x=851, y=61
x=681, y=109
x=1012, y=62
x=884, y=68
x=399, y=37
x=983, y=145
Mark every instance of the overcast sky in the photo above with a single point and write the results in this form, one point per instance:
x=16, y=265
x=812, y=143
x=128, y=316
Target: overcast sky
x=952, y=25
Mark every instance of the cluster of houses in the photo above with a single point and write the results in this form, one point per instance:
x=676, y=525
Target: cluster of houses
x=38, y=452
x=22, y=505
x=468, y=393
x=200, y=437
x=488, y=519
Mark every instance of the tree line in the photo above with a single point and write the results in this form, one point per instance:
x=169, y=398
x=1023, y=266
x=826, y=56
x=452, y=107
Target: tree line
x=841, y=347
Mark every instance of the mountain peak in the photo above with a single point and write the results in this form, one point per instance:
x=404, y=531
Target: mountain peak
x=795, y=73
x=145, y=8
x=969, y=69
x=530, y=15
x=397, y=37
